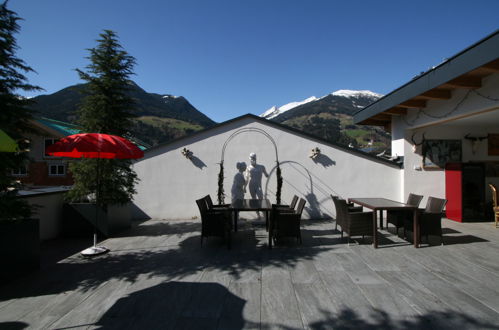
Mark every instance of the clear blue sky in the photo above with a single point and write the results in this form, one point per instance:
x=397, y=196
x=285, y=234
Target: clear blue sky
x=234, y=57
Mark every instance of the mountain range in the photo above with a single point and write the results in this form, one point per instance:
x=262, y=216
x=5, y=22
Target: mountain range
x=159, y=117
x=163, y=117
x=330, y=117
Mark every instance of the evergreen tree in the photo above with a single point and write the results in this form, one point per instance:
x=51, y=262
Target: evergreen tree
x=106, y=108
x=14, y=115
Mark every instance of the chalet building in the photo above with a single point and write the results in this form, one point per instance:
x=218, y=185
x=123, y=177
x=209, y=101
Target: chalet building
x=445, y=125
x=44, y=170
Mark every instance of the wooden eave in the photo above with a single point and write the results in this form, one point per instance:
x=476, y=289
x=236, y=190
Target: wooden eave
x=464, y=70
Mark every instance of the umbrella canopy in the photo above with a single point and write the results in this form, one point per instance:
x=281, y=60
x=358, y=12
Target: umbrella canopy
x=7, y=144
x=94, y=145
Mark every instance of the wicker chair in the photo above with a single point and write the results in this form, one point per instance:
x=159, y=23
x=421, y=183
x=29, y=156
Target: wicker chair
x=353, y=223
x=214, y=222
x=495, y=200
x=285, y=223
x=212, y=206
x=351, y=208
x=397, y=217
x=430, y=220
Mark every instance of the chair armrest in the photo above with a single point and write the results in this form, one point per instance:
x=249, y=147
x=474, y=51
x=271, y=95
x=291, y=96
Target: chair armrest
x=361, y=215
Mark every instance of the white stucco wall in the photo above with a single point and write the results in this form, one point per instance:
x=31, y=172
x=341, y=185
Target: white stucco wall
x=452, y=124
x=170, y=183
x=48, y=209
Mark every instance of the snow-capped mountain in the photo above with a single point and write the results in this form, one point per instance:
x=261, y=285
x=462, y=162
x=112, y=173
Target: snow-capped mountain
x=357, y=100
x=276, y=111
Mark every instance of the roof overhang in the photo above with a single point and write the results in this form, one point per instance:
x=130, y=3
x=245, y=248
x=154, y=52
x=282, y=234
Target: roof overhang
x=464, y=70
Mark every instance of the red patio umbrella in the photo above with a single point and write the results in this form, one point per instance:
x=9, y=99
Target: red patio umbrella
x=95, y=145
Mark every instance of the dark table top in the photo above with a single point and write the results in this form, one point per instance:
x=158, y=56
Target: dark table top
x=381, y=203
x=251, y=205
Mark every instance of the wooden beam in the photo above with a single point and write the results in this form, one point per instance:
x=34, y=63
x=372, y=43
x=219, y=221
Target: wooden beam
x=382, y=117
x=413, y=104
x=437, y=94
x=465, y=81
x=396, y=111
x=492, y=66
x=373, y=122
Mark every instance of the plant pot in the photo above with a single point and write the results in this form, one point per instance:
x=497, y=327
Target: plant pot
x=19, y=247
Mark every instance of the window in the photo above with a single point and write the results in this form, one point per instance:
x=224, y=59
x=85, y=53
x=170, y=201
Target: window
x=57, y=169
x=48, y=142
x=21, y=171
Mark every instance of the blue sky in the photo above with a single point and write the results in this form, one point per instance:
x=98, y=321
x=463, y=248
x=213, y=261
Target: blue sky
x=234, y=57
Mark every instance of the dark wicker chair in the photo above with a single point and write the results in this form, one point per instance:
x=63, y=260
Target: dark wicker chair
x=397, y=217
x=351, y=208
x=212, y=206
x=495, y=201
x=353, y=223
x=430, y=219
x=285, y=223
x=214, y=222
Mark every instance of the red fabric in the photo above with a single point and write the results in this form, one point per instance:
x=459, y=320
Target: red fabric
x=94, y=145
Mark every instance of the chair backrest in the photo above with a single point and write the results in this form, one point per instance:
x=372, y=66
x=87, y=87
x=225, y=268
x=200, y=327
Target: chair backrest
x=301, y=205
x=414, y=199
x=293, y=202
x=203, y=207
x=435, y=205
x=209, y=202
x=495, y=194
x=341, y=208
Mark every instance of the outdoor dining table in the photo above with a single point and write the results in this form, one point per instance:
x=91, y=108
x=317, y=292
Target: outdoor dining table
x=383, y=204
x=263, y=205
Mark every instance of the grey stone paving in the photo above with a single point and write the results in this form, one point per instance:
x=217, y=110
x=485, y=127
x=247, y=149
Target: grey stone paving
x=159, y=277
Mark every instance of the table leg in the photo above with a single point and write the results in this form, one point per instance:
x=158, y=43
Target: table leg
x=375, y=229
x=270, y=235
x=416, y=228
x=236, y=215
x=381, y=219
x=267, y=220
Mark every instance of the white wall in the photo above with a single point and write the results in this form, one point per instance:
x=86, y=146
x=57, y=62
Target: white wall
x=49, y=212
x=170, y=183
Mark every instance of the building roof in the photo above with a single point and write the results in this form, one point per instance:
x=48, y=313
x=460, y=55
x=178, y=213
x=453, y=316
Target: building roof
x=62, y=129
x=463, y=70
x=358, y=152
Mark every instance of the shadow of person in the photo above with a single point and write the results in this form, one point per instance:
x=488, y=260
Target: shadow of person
x=176, y=305
x=197, y=162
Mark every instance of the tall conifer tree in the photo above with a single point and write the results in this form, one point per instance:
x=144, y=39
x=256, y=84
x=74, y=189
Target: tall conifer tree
x=14, y=115
x=107, y=108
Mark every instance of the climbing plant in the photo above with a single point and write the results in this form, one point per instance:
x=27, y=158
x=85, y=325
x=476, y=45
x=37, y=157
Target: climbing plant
x=221, y=193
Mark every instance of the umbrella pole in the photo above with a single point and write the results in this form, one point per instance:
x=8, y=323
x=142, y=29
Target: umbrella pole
x=96, y=250
x=96, y=202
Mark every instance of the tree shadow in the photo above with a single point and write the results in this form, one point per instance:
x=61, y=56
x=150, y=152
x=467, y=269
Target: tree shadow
x=179, y=254
x=177, y=305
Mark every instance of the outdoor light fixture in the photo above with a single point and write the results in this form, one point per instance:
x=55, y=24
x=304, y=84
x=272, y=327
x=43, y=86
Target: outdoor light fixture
x=315, y=153
x=187, y=153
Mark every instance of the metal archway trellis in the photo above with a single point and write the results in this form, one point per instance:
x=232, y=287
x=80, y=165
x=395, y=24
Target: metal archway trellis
x=221, y=193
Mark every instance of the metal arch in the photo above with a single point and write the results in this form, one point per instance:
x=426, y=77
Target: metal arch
x=249, y=129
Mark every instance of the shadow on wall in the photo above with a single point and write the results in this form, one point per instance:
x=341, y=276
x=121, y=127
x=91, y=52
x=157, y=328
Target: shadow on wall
x=177, y=305
x=315, y=186
x=197, y=162
x=137, y=213
x=324, y=160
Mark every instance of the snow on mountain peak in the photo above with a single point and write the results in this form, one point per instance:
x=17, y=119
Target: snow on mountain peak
x=355, y=94
x=276, y=111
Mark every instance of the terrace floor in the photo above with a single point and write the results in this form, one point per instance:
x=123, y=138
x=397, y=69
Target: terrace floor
x=158, y=276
